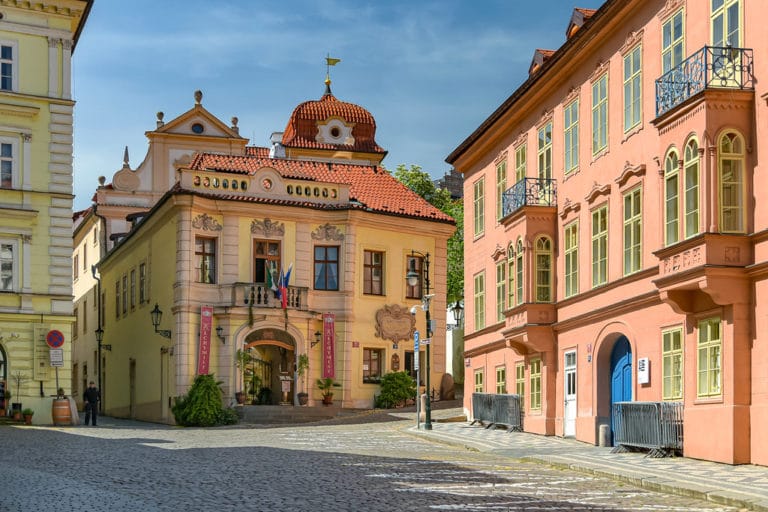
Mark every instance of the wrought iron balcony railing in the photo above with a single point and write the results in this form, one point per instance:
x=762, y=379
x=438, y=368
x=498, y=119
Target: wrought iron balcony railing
x=712, y=67
x=529, y=192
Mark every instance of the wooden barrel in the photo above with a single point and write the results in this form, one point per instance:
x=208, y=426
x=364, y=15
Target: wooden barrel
x=61, y=413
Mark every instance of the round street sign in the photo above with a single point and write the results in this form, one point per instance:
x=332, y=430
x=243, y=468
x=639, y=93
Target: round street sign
x=54, y=339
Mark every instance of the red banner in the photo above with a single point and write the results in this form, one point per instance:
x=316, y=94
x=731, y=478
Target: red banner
x=329, y=341
x=204, y=356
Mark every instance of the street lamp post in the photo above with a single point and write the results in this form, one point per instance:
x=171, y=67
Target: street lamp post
x=413, y=276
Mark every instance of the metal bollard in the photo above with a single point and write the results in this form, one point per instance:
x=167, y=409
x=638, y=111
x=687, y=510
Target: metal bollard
x=423, y=407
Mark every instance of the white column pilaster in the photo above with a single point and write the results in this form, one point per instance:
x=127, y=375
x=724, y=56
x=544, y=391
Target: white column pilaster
x=53, y=66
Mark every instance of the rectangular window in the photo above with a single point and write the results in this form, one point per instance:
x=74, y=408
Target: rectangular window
x=205, y=260
x=85, y=316
x=7, y=165
x=373, y=273
x=479, y=381
x=326, y=267
x=76, y=324
x=520, y=162
x=632, y=231
x=511, y=276
x=572, y=259
x=415, y=263
x=671, y=199
x=76, y=266
x=632, y=88
x=672, y=364
x=501, y=290
x=480, y=301
x=519, y=274
x=373, y=365
x=7, y=65
x=691, y=212
x=501, y=380
x=501, y=187
x=266, y=262
x=672, y=42
x=536, y=384
x=124, y=296
x=142, y=283
x=600, y=114
x=479, y=206
x=117, y=299
x=85, y=258
x=709, y=347
x=545, y=152
x=520, y=384
x=133, y=288
x=571, y=136
x=600, y=246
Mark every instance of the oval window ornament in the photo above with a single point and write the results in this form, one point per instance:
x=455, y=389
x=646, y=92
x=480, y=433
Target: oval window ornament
x=198, y=128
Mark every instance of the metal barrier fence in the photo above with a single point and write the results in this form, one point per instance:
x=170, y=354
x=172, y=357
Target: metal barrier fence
x=656, y=426
x=493, y=410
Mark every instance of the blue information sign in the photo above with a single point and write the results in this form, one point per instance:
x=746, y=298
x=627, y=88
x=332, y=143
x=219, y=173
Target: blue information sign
x=416, y=340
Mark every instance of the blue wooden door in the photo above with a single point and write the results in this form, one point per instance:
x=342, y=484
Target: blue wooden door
x=621, y=374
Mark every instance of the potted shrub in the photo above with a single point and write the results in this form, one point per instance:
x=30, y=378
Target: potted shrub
x=18, y=379
x=301, y=371
x=326, y=386
x=242, y=358
x=6, y=402
x=27, y=413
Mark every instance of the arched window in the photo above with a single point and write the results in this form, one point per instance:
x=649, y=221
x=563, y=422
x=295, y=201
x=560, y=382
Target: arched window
x=691, y=206
x=731, y=177
x=543, y=271
x=519, y=273
x=671, y=198
x=511, y=274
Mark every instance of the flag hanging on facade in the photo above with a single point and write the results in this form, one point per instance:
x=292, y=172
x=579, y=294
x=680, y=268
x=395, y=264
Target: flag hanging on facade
x=271, y=281
x=283, y=285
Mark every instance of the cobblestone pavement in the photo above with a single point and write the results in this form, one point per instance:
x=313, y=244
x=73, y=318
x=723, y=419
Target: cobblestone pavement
x=379, y=466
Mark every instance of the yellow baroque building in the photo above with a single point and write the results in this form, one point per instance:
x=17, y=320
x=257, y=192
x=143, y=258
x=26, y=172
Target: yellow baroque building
x=36, y=108
x=316, y=213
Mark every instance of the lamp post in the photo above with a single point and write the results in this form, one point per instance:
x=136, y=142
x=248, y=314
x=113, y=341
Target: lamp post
x=458, y=313
x=157, y=316
x=413, y=277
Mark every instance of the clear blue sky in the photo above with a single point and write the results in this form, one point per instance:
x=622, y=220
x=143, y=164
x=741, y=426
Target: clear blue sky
x=429, y=71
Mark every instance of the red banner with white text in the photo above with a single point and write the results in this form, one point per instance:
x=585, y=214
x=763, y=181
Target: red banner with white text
x=329, y=342
x=204, y=354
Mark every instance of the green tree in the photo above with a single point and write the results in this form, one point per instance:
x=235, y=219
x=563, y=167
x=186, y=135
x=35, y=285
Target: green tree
x=421, y=183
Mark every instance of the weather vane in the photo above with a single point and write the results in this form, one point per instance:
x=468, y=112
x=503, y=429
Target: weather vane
x=329, y=61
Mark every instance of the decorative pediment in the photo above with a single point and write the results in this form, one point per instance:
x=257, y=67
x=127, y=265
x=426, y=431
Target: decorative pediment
x=267, y=227
x=600, y=69
x=394, y=323
x=629, y=171
x=327, y=232
x=523, y=137
x=498, y=253
x=196, y=121
x=569, y=207
x=670, y=8
x=206, y=223
x=546, y=117
x=597, y=191
x=500, y=157
x=632, y=39
x=573, y=93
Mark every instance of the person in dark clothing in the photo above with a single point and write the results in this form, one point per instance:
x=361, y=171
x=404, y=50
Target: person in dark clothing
x=91, y=398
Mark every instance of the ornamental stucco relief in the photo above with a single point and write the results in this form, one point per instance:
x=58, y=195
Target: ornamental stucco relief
x=267, y=227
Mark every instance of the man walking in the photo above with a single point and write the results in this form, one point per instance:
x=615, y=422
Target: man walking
x=91, y=398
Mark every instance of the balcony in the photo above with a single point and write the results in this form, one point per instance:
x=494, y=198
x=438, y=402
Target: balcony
x=529, y=192
x=259, y=295
x=712, y=67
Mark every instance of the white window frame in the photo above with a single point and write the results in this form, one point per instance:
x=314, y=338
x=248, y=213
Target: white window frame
x=14, y=159
x=599, y=247
x=672, y=48
x=571, y=237
x=14, y=61
x=571, y=136
x=600, y=115
x=15, y=263
x=633, y=231
x=633, y=88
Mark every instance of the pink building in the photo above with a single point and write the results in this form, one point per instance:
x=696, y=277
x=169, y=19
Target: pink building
x=616, y=230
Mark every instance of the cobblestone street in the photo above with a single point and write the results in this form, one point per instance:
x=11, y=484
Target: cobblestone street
x=373, y=467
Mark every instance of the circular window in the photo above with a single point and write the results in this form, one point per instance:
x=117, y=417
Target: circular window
x=243, y=185
x=335, y=132
x=298, y=191
x=198, y=128
x=225, y=183
x=333, y=193
x=325, y=192
x=196, y=181
x=266, y=183
x=206, y=181
x=316, y=192
x=289, y=189
x=216, y=182
x=234, y=184
x=307, y=191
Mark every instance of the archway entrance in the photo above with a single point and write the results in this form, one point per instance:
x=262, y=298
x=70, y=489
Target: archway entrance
x=269, y=374
x=621, y=374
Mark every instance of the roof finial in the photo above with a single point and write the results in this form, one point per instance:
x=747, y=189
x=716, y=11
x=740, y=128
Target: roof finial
x=125, y=158
x=329, y=61
x=198, y=97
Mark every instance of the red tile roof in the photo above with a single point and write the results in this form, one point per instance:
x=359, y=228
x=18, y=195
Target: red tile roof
x=371, y=187
x=302, y=125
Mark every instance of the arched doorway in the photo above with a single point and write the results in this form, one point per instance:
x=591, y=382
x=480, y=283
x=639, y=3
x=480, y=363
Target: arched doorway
x=270, y=373
x=621, y=374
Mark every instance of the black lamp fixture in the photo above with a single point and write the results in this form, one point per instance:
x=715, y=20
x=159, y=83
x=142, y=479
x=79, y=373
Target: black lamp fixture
x=99, y=337
x=220, y=334
x=458, y=312
x=157, y=316
x=318, y=339
x=413, y=277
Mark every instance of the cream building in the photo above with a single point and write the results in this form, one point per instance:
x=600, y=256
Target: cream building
x=36, y=109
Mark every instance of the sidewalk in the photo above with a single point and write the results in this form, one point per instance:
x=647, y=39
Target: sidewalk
x=743, y=486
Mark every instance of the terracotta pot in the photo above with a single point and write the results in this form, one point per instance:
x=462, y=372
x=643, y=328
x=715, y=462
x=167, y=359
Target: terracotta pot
x=27, y=419
x=327, y=399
